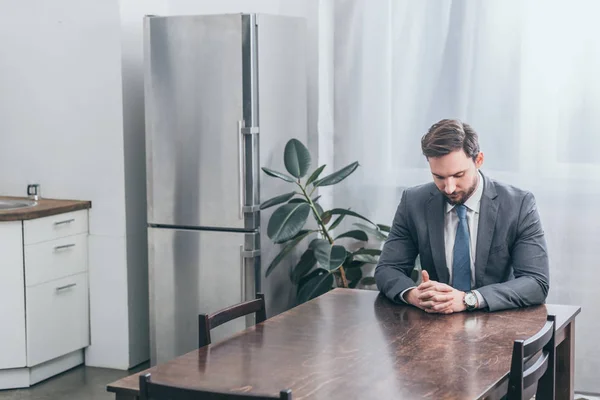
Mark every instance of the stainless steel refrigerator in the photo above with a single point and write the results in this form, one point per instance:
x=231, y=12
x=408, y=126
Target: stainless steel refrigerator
x=223, y=95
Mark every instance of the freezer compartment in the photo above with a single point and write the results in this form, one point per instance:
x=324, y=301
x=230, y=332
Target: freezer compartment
x=192, y=272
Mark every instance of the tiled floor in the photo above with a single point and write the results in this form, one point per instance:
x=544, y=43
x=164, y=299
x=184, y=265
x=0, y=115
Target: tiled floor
x=80, y=383
x=87, y=383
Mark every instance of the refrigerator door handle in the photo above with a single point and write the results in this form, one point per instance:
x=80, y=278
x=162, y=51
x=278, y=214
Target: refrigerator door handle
x=241, y=169
x=243, y=274
x=244, y=131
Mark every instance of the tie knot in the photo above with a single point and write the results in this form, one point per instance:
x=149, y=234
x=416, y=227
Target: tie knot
x=461, y=211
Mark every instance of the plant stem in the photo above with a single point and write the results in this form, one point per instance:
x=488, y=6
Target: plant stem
x=323, y=229
x=314, y=209
x=343, y=275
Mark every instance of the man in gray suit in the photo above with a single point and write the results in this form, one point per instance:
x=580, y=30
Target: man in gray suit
x=480, y=242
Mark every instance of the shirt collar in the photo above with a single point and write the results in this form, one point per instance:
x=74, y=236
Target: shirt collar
x=473, y=203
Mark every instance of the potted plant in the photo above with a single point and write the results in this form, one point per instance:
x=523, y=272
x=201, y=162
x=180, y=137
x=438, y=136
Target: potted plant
x=326, y=261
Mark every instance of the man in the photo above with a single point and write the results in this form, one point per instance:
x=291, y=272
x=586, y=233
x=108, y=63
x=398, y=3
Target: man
x=481, y=242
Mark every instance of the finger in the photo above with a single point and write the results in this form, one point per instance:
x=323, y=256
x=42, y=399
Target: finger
x=426, y=285
x=437, y=297
x=425, y=276
x=439, y=307
x=435, y=305
x=435, y=286
x=440, y=287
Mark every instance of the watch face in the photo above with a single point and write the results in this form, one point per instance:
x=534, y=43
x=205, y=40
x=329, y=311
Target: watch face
x=471, y=299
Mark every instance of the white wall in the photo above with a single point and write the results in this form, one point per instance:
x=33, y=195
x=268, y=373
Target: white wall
x=61, y=125
x=72, y=119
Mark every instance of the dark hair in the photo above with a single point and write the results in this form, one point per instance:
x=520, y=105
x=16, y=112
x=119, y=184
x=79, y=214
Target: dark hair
x=449, y=135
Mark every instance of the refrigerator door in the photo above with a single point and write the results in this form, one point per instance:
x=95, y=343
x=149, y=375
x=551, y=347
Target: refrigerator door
x=194, y=120
x=282, y=87
x=192, y=272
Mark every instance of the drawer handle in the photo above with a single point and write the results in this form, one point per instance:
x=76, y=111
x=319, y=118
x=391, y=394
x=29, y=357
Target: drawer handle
x=64, y=246
x=61, y=288
x=66, y=221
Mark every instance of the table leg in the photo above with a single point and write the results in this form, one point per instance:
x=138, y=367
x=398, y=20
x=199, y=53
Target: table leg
x=565, y=365
x=119, y=396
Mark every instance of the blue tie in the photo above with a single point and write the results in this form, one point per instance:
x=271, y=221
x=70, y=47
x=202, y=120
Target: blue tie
x=461, y=262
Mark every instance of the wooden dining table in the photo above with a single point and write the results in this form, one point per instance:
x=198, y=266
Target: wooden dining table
x=356, y=344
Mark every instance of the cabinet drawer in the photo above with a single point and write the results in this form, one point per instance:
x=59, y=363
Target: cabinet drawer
x=57, y=318
x=55, y=259
x=55, y=226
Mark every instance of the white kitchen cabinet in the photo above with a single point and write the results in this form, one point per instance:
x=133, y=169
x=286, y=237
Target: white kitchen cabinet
x=12, y=296
x=44, y=297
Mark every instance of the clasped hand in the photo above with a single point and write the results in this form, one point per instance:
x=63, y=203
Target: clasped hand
x=435, y=297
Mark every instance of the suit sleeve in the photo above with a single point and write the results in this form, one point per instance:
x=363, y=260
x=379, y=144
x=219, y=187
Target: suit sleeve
x=529, y=262
x=397, y=259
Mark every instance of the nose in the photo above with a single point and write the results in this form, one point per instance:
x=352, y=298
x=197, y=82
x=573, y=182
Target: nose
x=449, y=186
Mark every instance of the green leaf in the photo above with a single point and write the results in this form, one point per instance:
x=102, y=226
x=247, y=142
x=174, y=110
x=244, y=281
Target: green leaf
x=301, y=233
x=319, y=211
x=353, y=264
x=329, y=257
x=315, y=175
x=279, y=175
x=373, y=231
x=365, y=258
x=337, y=221
x=287, y=221
x=372, y=252
x=368, y=280
x=297, y=200
x=384, y=228
x=316, y=199
x=343, y=211
x=307, y=261
x=337, y=176
x=353, y=275
x=325, y=218
x=296, y=158
x=282, y=198
x=284, y=252
x=316, y=283
x=355, y=234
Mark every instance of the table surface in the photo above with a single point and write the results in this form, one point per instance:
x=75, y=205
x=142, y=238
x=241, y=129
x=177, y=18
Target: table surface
x=356, y=344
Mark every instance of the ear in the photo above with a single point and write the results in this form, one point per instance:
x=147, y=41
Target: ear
x=479, y=160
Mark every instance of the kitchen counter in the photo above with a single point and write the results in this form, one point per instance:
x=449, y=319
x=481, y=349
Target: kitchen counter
x=43, y=208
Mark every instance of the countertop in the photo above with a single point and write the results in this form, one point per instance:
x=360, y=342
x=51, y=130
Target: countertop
x=43, y=208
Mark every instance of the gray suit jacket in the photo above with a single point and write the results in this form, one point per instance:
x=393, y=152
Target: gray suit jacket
x=511, y=262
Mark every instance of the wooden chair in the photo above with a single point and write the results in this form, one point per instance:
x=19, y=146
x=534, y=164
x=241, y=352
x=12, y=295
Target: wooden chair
x=157, y=391
x=207, y=322
x=533, y=362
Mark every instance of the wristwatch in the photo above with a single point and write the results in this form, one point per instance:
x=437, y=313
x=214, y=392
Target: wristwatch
x=470, y=301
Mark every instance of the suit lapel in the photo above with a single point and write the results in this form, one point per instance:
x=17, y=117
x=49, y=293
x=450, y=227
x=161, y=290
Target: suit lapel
x=488, y=212
x=435, y=227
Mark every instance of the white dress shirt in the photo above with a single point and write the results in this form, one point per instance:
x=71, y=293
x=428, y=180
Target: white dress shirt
x=472, y=204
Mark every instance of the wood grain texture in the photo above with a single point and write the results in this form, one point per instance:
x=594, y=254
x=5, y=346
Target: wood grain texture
x=44, y=208
x=355, y=344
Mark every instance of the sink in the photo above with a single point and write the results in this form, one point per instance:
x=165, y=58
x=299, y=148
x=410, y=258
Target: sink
x=16, y=204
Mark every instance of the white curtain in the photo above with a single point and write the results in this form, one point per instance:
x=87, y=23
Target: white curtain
x=524, y=74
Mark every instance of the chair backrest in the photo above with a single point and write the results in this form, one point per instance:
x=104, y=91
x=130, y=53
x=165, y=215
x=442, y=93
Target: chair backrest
x=157, y=391
x=207, y=322
x=533, y=360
